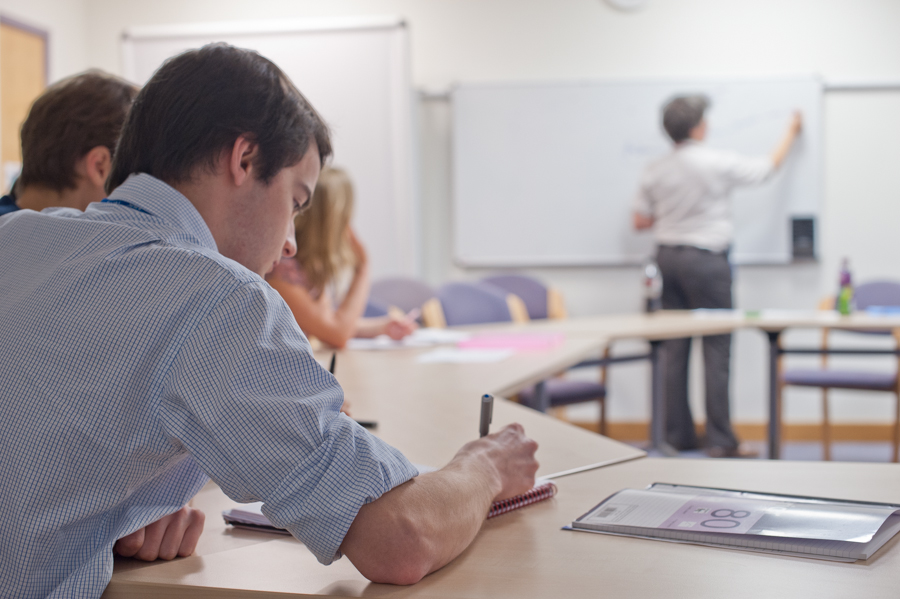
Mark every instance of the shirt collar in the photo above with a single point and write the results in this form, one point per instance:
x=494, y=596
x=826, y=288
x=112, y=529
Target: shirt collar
x=152, y=196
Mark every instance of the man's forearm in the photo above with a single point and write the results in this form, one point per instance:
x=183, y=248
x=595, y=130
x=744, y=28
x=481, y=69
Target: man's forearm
x=423, y=524
x=418, y=527
x=784, y=146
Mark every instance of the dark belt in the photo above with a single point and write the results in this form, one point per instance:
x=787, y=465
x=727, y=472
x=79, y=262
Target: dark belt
x=693, y=247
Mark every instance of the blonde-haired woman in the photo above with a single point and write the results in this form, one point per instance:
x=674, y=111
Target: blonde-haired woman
x=327, y=248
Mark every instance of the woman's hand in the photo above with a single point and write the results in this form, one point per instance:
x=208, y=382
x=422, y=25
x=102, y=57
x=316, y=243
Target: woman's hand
x=399, y=325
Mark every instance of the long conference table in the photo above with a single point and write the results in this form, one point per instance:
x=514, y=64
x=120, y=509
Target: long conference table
x=430, y=410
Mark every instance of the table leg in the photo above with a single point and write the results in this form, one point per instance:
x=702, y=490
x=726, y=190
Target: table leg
x=774, y=403
x=541, y=397
x=658, y=403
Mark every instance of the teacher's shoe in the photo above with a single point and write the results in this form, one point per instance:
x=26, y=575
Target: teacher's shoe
x=741, y=451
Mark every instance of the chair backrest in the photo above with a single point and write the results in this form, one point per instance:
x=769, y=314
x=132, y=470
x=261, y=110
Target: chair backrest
x=531, y=291
x=877, y=293
x=473, y=303
x=540, y=301
x=375, y=308
x=401, y=292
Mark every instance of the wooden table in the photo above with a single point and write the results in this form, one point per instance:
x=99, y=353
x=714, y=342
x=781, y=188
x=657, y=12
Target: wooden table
x=674, y=324
x=429, y=411
x=653, y=328
x=524, y=554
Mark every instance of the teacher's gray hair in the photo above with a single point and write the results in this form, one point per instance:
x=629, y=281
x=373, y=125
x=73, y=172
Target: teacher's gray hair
x=683, y=113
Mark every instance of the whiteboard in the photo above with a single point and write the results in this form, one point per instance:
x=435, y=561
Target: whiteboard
x=356, y=72
x=544, y=174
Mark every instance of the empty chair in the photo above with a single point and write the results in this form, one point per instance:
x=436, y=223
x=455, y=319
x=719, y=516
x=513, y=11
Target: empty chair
x=540, y=301
x=463, y=303
x=869, y=295
x=546, y=302
x=401, y=292
x=479, y=303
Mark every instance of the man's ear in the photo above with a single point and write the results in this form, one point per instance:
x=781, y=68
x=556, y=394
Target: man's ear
x=241, y=161
x=96, y=165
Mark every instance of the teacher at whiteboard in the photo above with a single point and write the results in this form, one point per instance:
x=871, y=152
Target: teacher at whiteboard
x=684, y=198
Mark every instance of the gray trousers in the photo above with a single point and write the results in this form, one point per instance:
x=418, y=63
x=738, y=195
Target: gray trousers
x=696, y=278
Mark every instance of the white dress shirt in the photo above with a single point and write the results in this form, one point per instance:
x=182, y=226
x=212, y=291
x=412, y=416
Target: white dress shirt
x=687, y=194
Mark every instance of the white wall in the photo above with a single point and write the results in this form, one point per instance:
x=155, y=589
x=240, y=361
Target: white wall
x=64, y=20
x=493, y=40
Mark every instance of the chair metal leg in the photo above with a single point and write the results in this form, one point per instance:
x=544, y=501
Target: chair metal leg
x=602, y=400
x=774, y=397
x=896, y=456
x=826, y=425
x=602, y=428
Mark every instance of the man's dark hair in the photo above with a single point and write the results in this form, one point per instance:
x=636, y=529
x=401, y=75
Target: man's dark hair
x=683, y=113
x=198, y=103
x=71, y=118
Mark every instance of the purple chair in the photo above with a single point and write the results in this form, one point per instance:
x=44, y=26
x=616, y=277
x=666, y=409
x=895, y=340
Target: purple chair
x=473, y=303
x=540, y=301
x=543, y=302
x=406, y=294
x=873, y=295
x=374, y=309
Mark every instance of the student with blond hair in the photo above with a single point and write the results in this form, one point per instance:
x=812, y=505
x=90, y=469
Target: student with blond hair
x=327, y=251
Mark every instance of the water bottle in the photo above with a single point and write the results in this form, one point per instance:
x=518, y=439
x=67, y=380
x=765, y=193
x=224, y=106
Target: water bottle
x=652, y=287
x=845, y=291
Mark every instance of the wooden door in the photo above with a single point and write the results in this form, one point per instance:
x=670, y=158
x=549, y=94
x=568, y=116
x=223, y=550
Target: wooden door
x=23, y=76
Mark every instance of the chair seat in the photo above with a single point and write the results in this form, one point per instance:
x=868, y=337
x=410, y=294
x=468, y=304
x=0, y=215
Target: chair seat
x=841, y=379
x=563, y=392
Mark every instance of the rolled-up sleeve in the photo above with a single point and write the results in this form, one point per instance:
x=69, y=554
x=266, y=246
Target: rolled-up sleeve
x=262, y=418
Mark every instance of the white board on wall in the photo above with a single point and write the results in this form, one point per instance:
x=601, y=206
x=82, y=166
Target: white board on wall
x=544, y=174
x=356, y=72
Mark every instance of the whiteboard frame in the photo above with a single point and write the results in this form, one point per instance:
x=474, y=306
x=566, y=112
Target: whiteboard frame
x=506, y=261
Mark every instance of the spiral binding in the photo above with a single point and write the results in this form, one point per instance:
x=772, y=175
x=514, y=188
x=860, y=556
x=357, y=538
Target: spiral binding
x=538, y=493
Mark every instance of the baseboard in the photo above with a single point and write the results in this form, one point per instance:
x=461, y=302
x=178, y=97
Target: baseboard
x=749, y=431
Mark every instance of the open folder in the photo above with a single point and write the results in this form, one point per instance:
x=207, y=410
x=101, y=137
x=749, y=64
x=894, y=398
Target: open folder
x=784, y=524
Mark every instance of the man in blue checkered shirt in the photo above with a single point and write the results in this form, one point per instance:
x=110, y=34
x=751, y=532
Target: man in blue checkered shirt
x=141, y=351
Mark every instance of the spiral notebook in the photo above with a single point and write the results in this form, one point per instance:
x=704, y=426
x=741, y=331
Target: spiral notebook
x=250, y=515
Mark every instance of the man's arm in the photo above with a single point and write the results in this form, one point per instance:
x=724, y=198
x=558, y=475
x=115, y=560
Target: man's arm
x=423, y=524
x=642, y=221
x=784, y=146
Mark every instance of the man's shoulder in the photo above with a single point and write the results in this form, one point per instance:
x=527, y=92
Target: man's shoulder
x=201, y=264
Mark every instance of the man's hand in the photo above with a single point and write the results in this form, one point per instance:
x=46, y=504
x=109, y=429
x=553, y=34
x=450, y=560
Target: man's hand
x=175, y=535
x=641, y=221
x=784, y=146
x=510, y=454
x=796, y=125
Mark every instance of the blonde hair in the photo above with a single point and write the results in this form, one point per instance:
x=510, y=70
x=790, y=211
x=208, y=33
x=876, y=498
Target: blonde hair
x=323, y=249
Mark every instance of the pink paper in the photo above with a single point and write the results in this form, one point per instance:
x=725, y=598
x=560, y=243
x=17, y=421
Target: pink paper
x=514, y=341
